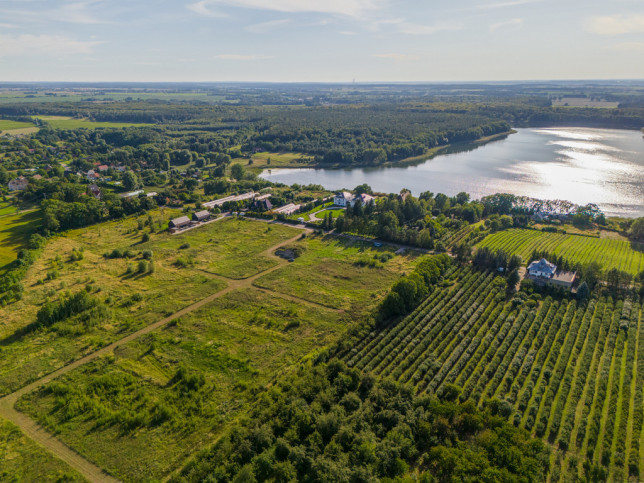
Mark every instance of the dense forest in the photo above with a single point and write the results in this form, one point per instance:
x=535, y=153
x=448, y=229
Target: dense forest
x=333, y=423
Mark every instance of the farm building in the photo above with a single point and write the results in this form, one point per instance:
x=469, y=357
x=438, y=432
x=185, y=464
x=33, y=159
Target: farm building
x=18, y=184
x=288, y=209
x=201, y=215
x=180, y=222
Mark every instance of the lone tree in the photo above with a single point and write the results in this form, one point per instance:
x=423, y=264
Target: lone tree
x=130, y=181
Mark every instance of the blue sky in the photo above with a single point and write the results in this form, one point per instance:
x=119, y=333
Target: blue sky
x=320, y=40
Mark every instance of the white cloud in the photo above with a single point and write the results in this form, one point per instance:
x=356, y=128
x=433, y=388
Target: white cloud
x=351, y=8
x=409, y=28
x=242, y=57
x=77, y=12
x=398, y=57
x=201, y=8
x=7, y=26
x=512, y=24
x=629, y=46
x=24, y=45
x=616, y=24
x=510, y=3
x=265, y=27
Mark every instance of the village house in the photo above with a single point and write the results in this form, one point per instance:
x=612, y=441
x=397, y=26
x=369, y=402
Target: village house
x=262, y=205
x=103, y=167
x=343, y=198
x=542, y=272
x=18, y=184
x=201, y=215
x=36, y=177
x=94, y=190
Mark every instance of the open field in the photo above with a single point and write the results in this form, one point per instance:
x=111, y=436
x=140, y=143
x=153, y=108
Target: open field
x=11, y=125
x=11, y=97
x=230, y=247
x=610, y=253
x=24, y=460
x=15, y=230
x=541, y=357
x=329, y=273
x=152, y=414
x=62, y=122
x=280, y=160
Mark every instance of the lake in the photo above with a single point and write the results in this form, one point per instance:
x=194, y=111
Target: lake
x=582, y=165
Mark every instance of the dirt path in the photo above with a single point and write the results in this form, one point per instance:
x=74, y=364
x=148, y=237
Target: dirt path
x=37, y=433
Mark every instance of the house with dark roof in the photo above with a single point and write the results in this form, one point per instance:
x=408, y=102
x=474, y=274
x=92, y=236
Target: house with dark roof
x=542, y=268
x=94, y=190
x=542, y=272
x=262, y=205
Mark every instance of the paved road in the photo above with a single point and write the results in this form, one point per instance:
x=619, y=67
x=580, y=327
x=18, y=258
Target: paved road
x=59, y=449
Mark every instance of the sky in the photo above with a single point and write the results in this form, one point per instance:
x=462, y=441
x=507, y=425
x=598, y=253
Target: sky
x=320, y=40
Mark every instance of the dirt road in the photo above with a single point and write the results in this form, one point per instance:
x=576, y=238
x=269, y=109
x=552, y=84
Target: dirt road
x=59, y=449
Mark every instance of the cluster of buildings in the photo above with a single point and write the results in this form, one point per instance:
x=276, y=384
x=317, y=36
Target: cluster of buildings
x=183, y=222
x=542, y=272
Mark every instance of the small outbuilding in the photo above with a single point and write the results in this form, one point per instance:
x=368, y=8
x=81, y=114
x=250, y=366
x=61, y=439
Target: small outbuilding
x=180, y=222
x=201, y=215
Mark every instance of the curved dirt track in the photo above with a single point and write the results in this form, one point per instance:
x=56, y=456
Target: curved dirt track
x=59, y=449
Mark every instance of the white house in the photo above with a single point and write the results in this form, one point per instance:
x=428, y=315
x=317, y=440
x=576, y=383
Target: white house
x=18, y=184
x=343, y=198
x=542, y=268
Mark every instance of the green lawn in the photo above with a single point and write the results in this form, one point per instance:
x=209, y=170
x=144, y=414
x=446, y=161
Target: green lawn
x=15, y=231
x=22, y=460
x=11, y=125
x=327, y=273
x=610, y=253
x=135, y=416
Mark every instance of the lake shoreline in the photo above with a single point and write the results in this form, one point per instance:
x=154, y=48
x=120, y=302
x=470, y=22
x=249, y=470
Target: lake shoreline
x=582, y=165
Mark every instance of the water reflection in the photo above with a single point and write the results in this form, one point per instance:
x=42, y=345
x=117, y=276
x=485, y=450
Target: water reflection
x=578, y=164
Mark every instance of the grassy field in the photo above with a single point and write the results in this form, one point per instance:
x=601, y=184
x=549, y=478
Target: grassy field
x=15, y=230
x=141, y=412
x=610, y=253
x=7, y=209
x=62, y=122
x=230, y=349
x=568, y=372
x=22, y=460
x=11, y=97
x=280, y=160
x=11, y=125
x=329, y=273
x=230, y=247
